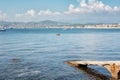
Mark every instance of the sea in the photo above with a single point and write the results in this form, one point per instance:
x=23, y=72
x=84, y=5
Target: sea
x=42, y=53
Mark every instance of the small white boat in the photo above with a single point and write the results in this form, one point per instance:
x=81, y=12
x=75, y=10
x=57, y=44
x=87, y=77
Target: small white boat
x=2, y=28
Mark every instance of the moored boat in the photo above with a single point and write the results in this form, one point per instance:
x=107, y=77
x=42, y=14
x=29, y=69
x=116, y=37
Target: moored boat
x=2, y=28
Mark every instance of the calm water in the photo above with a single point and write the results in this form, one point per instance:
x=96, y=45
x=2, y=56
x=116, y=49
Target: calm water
x=39, y=54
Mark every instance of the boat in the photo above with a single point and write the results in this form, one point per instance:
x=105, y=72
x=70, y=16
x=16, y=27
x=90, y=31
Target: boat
x=2, y=28
x=58, y=34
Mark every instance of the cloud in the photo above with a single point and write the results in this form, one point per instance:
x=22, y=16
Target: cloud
x=30, y=13
x=86, y=11
x=19, y=15
x=48, y=12
x=84, y=7
x=41, y=13
x=72, y=9
x=91, y=6
x=2, y=15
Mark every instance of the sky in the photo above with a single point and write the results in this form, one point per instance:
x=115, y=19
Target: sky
x=73, y=11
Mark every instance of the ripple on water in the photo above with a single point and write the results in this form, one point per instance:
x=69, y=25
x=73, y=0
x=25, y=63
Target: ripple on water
x=28, y=73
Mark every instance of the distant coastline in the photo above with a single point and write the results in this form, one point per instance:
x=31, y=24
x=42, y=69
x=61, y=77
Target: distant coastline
x=55, y=24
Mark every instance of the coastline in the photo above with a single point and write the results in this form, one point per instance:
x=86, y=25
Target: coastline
x=65, y=28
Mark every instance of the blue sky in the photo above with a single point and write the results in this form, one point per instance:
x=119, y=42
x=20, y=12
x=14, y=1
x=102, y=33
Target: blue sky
x=76, y=11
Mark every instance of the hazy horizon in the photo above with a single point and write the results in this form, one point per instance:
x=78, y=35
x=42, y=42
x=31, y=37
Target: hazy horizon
x=59, y=22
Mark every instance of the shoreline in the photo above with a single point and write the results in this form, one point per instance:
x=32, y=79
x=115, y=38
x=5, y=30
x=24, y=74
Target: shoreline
x=67, y=28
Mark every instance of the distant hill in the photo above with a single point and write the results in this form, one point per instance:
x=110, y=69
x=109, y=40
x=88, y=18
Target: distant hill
x=28, y=24
x=49, y=23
